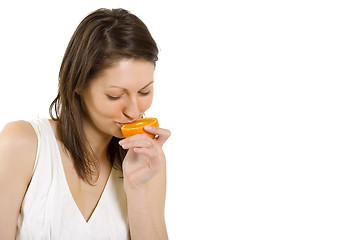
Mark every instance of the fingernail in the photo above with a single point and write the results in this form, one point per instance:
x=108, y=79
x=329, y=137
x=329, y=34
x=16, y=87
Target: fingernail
x=147, y=127
x=124, y=146
x=122, y=142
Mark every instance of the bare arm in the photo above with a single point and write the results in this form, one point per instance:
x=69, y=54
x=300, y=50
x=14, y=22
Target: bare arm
x=145, y=185
x=18, y=145
x=146, y=209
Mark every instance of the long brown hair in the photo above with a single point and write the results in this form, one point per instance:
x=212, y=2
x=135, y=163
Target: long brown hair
x=102, y=38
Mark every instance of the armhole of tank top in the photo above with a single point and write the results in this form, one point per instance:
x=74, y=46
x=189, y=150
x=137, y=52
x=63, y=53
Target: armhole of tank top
x=35, y=125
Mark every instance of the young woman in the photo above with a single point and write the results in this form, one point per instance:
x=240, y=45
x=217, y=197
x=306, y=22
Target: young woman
x=75, y=176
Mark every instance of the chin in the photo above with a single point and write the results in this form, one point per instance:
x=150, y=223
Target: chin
x=117, y=133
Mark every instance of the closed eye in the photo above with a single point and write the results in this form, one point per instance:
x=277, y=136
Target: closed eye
x=144, y=93
x=112, y=97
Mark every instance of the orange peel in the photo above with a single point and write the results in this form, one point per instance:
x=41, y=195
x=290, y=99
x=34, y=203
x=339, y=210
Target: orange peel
x=137, y=127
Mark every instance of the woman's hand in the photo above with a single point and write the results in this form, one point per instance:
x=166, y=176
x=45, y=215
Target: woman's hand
x=145, y=156
x=145, y=183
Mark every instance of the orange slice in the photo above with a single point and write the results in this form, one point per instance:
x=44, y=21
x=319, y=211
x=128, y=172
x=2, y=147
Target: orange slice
x=137, y=127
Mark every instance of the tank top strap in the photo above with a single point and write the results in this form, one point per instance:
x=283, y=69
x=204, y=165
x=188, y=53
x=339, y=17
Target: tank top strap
x=35, y=123
x=45, y=136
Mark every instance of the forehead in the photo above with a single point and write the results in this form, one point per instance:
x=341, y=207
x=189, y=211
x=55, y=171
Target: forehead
x=126, y=73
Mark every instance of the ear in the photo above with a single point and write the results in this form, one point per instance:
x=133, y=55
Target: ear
x=80, y=99
x=78, y=91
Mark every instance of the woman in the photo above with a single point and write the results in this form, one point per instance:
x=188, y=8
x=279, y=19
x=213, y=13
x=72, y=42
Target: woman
x=74, y=176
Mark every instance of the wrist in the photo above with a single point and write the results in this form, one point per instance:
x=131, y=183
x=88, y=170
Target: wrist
x=132, y=189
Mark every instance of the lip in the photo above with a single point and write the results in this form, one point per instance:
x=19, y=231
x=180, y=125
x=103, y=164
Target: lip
x=122, y=124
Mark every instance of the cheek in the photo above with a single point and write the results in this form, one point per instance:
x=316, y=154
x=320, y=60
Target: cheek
x=145, y=104
x=109, y=109
x=99, y=107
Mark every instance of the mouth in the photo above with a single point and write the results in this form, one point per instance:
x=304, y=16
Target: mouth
x=122, y=124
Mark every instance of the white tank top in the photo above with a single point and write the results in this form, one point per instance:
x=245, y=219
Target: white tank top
x=49, y=211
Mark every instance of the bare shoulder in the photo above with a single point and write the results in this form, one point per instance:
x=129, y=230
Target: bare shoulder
x=18, y=145
x=18, y=135
x=18, y=129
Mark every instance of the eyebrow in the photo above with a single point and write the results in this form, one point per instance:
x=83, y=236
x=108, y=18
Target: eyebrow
x=127, y=90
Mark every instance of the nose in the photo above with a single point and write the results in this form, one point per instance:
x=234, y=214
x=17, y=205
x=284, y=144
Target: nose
x=131, y=110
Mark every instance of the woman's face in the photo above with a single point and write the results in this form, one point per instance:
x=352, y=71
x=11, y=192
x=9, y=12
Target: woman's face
x=120, y=94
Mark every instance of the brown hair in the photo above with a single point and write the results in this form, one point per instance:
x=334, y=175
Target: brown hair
x=102, y=38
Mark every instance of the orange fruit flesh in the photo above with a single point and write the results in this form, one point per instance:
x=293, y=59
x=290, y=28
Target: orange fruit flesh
x=137, y=127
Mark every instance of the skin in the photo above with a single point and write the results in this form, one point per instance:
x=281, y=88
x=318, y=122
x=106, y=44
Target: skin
x=120, y=94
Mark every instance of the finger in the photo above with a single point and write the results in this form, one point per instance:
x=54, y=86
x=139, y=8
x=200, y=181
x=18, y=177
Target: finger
x=162, y=134
x=154, y=161
x=137, y=141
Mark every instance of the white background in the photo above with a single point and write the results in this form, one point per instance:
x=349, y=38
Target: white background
x=262, y=98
